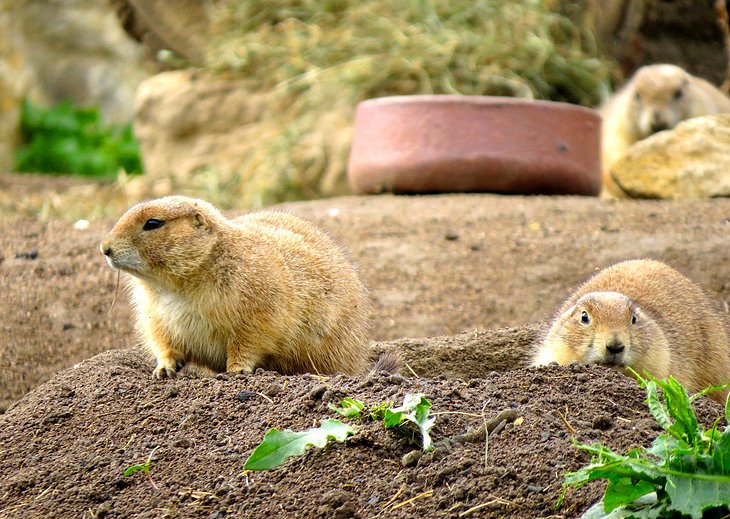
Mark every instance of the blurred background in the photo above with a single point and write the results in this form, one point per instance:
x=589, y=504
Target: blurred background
x=249, y=103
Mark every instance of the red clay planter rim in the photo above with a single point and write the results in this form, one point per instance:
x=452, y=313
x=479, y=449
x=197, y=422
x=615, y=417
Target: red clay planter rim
x=452, y=143
x=454, y=98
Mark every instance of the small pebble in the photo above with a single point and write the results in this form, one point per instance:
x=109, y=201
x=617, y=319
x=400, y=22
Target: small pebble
x=411, y=458
x=244, y=396
x=602, y=422
x=30, y=255
x=272, y=389
x=317, y=392
x=81, y=225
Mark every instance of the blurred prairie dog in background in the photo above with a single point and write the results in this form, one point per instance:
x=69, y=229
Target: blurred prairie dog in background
x=656, y=98
x=263, y=290
x=646, y=315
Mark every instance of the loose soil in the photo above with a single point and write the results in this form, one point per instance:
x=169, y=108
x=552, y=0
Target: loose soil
x=462, y=286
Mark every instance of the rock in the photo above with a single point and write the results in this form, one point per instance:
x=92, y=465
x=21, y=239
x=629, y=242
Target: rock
x=245, y=146
x=72, y=49
x=187, y=122
x=16, y=80
x=690, y=161
x=182, y=26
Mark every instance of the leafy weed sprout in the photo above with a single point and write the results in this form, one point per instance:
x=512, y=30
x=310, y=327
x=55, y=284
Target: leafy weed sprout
x=278, y=446
x=685, y=473
x=66, y=139
x=143, y=467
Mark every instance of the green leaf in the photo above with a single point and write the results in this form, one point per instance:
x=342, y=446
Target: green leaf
x=623, y=492
x=66, y=139
x=721, y=453
x=645, y=507
x=693, y=496
x=350, y=407
x=665, y=446
x=415, y=409
x=687, y=469
x=656, y=407
x=392, y=418
x=686, y=423
x=707, y=390
x=278, y=446
x=377, y=412
x=144, y=467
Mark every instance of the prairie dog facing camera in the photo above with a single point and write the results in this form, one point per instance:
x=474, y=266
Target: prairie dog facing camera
x=656, y=98
x=645, y=315
x=263, y=290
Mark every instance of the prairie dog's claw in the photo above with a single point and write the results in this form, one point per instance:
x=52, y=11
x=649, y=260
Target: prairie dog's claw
x=166, y=370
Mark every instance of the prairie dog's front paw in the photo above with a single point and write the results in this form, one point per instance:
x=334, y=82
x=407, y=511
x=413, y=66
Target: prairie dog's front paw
x=167, y=368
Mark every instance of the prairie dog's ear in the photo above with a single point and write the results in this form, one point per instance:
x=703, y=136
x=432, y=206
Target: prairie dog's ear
x=201, y=221
x=565, y=315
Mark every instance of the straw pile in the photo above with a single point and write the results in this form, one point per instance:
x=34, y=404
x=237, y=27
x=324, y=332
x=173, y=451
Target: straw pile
x=309, y=62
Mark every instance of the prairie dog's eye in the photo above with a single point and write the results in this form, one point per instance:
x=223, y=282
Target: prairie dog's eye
x=637, y=97
x=678, y=93
x=633, y=318
x=152, y=224
x=584, y=317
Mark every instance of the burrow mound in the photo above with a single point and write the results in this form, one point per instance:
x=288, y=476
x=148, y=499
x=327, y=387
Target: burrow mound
x=434, y=265
x=67, y=443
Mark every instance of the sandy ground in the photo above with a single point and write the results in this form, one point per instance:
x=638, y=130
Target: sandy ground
x=483, y=272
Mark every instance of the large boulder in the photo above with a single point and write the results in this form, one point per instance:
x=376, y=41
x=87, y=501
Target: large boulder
x=182, y=26
x=188, y=121
x=72, y=50
x=219, y=134
x=690, y=161
x=16, y=80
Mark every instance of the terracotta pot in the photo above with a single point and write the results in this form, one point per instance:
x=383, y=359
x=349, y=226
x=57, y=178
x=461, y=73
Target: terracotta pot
x=439, y=144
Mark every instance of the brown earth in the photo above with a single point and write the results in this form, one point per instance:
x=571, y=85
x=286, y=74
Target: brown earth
x=457, y=266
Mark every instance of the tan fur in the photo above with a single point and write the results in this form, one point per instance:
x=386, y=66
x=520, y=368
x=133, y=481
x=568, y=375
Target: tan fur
x=264, y=290
x=677, y=331
x=656, y=98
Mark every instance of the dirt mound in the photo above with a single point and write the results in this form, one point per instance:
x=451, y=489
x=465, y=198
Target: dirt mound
x=435, y=265
x=446, y=272
x=67, y=444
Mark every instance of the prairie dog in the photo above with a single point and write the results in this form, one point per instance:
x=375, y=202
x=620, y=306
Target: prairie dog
x=263, y=290
x=646, y=315
x=656, y=98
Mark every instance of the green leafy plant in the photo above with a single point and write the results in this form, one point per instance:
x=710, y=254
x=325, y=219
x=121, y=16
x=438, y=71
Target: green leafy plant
x=415, y=410
x=351, y=408
x=278, y=446
x=685, y=473
x=66, y=139
x=143, y=467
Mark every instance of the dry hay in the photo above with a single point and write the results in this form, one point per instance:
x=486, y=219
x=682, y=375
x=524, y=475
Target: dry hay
x=308, y=63
x=316, y=60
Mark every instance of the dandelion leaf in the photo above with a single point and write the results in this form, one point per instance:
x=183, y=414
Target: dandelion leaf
x=278, y=446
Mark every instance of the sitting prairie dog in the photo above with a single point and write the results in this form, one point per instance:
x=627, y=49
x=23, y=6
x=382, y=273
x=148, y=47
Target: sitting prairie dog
x=646, y=315
x=656, y=98
x=263, y=290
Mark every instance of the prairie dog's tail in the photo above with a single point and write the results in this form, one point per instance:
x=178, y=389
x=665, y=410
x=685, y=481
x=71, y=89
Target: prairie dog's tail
x=389, y=361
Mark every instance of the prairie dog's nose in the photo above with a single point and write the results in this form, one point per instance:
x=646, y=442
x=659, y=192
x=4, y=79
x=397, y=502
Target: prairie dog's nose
x=659, y=126
x=615, y=346
x=658, y=123
x=105, y=248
